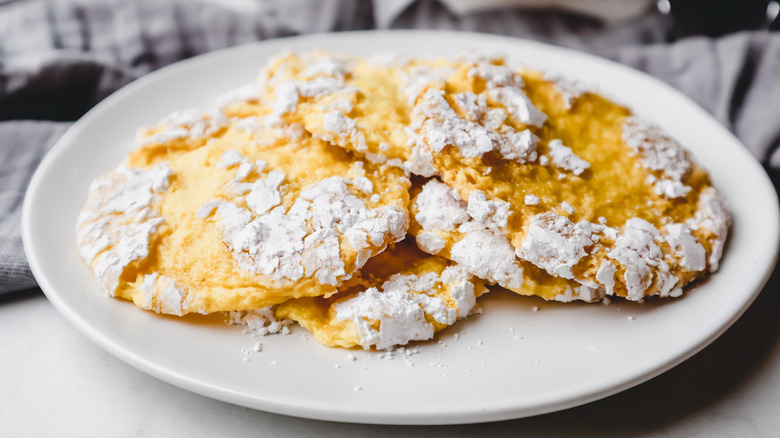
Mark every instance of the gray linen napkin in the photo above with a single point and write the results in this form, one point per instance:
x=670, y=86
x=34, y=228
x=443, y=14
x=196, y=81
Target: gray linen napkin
x=59, y=58
x=23, y=144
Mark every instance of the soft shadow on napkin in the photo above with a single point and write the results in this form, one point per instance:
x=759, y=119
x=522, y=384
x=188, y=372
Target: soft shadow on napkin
x=59, y=58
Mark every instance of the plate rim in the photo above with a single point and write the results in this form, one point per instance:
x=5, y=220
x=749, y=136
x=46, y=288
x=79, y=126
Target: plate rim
x=310, y=411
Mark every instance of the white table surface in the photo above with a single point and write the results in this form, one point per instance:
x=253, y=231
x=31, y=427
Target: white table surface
x=56, y=382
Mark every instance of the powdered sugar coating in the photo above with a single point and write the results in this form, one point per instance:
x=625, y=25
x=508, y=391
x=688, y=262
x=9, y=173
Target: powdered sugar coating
x=265, y=193
x=341, y=130
x=658, y=152
x=323, y=75
x=435, y=124
x=635, y=248
x=266, y=130
x=303, y=241
x=114, y=228
x=484, y=253
x=195, y=123
x=712, y=214
x=494, y=214
x=402, y=305
x=288, y=94
x=569, y=89
x=417, y=78
x=689, y=251
x=162, y=294
x=481, y=248
x=420, y=162
x=430, y=242
x=518, y=105
x=327, y=66
x=231, y=158
x=190, y=123
x=606, y=276
x=555, y=244
x=488, y=255
x=437, y=209
x=671, y=189
x=505, y=87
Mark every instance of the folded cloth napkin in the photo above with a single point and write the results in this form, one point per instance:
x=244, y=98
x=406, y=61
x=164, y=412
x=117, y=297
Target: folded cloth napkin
x=59, y=58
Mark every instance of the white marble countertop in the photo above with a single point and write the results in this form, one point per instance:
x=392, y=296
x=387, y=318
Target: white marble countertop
x=56, y=382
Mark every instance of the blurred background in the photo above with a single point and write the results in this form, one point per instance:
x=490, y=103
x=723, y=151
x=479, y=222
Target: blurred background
x=58, y=58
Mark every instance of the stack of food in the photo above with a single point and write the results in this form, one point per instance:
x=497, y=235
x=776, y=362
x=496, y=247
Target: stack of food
x=373, y=200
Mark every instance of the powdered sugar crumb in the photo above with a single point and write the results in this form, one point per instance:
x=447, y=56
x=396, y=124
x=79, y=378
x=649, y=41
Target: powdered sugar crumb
x=430, y=242
x=606, y=276
x=564, y=158
x=260, y=322
x=635, y=248
x=230, y=158
x=437, y=209
x=303, y=240
x=555, y=244
x=531, y=200
x=567, y=207
x=494, y=214
x=435, y=124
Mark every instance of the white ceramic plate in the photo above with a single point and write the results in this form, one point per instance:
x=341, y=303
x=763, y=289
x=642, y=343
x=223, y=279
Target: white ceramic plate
x=508, y=363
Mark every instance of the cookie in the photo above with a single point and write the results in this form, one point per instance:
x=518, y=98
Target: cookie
x=257, y=213
x=591, y=194
x=284, y=194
